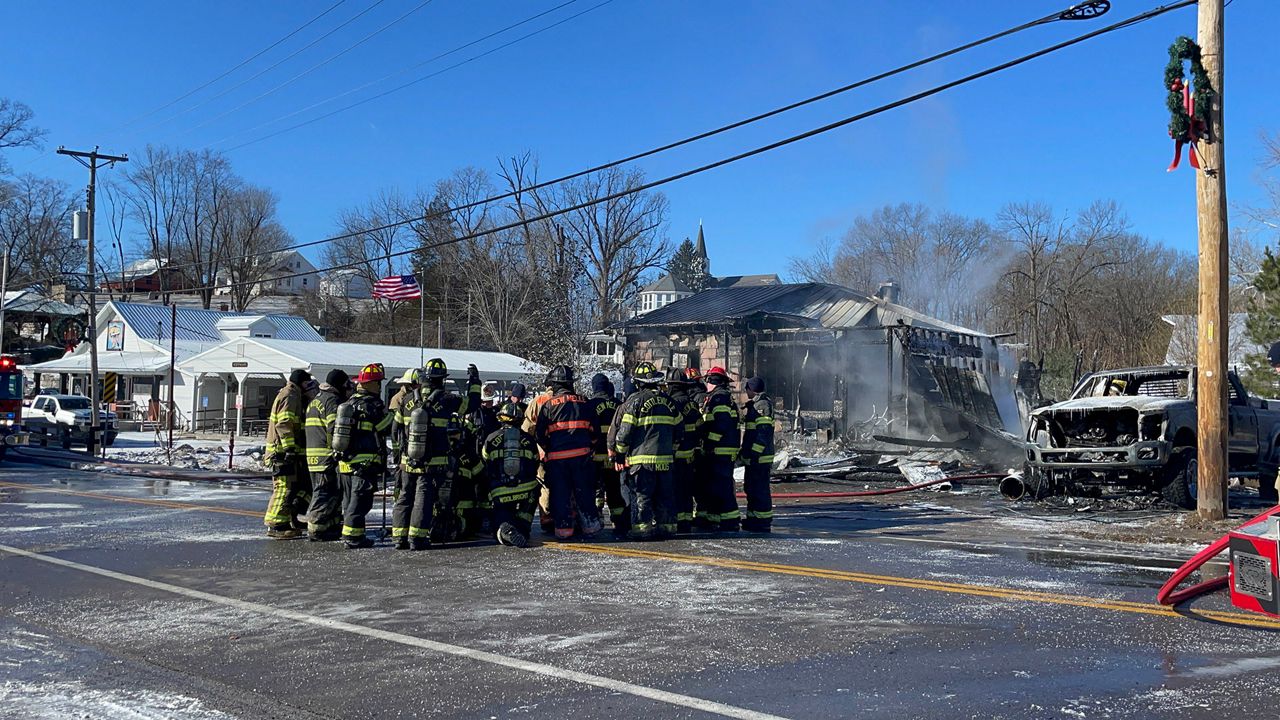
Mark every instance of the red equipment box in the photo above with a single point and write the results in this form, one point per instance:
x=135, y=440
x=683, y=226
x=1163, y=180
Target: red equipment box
x=1255, y=567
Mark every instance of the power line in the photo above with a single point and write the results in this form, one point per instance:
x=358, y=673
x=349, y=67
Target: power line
x=273, y=66
x=1134, y=20
x=315, y=67
x=421, y=79
x=242, y=63
x=1068, y=13
x=397, y=73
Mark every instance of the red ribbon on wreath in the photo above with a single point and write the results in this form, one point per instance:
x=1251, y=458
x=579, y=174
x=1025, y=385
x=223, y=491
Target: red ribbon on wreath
x=1190, y=140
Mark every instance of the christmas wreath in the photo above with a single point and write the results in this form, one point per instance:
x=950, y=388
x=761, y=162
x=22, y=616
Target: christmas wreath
x=1189, y=111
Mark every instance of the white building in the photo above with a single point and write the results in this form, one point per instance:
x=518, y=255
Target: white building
x=229, y=366
x=289, y=273
x=346, y=283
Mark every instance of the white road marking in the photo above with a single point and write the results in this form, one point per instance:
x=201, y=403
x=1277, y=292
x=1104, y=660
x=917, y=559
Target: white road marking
x=551, y=671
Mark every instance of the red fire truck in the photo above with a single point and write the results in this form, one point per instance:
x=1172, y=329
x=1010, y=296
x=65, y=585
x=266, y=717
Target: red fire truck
x=11, y=430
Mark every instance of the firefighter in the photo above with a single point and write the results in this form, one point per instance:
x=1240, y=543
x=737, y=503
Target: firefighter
x=286, y=446
x=511, y=460
x=756, y=456
x=364, y=459
x=650, y=429
x=324, y=516
x=565, y=428
x=719, y=452
x=426, y=453
x=518, y=394
x=604, y=406
x=683, y=473
x=409, y=384
x=468, y=494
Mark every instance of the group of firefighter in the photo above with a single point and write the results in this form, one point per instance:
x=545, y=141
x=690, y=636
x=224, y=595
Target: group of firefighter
x=661, y=460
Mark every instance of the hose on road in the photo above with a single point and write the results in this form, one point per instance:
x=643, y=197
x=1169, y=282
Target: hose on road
x=1170, y=595
x=882, y=491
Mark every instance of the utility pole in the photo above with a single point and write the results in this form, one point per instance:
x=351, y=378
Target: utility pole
x=4, y=290
x=1211, y=211
x=92, y=160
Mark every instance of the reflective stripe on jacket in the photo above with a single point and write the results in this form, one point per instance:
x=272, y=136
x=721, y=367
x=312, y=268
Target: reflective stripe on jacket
x=285, y=433
x=368, y=438
x=649, y=430
x=564, y=425
x=757, y=430
x=603, y=407
x=719, y=428
x=691, y=418
x=320, y=416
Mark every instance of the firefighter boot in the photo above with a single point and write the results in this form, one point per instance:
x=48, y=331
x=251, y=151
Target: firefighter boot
x=359, y=543
x=510, y=536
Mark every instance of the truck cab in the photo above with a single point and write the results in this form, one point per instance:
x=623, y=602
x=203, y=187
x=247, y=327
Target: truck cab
x=11, y=427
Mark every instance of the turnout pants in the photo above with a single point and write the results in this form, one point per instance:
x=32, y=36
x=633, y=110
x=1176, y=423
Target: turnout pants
x=513, y=500
x=572, y=480
x=652, y=502
x=683, y=474
x=406, y=495
x=357, y=500
x=716, y=474
x=324, y=516
x=471, y=501
x=759, y=500
x=290, y=495
x=611, y=482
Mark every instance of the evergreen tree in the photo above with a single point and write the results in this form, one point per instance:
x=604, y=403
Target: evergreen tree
x=1262, y=327
x=682, y=264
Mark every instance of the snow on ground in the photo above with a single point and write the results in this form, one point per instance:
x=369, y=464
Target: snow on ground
x=190, y=453
x=35, y=686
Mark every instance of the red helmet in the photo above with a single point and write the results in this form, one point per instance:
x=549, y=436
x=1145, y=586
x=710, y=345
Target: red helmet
x=716, y=375
x=371, y=373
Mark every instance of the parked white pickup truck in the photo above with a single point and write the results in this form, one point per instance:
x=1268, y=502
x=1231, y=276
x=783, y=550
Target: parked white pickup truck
x=50, y=414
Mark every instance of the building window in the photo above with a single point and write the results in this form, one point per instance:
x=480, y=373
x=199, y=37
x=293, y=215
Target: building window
x=304, y=282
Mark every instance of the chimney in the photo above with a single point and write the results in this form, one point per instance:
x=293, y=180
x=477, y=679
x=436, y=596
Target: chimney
x=889, y=291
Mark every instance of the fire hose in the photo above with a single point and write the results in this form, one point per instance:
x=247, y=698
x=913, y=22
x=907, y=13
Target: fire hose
x=1168, y=594
x=883, y=491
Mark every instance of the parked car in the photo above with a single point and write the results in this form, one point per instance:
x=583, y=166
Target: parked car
x=1137, y=428
x=53, y=414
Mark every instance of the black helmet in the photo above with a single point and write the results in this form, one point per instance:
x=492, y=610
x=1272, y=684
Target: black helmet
x=1273, y=355
x=435, y=369
x=560, y=375
x=646, y=373
x=509, y=413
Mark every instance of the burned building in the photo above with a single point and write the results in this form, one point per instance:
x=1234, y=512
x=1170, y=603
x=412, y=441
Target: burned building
x=838, y=362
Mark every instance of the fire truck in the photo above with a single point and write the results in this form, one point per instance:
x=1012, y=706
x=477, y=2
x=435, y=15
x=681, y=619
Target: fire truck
x=11, y=429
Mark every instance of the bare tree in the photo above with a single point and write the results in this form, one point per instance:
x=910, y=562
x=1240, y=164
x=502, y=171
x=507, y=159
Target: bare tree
x=16, y=129
x=249, y=238
x=156, y=193
x=35, y=221
x=620, y=239
x=372, y=251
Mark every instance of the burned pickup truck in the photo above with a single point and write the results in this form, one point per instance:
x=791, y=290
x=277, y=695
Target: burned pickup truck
x=1137, y=428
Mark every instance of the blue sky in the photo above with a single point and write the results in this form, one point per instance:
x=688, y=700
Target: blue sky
x=1082, y=124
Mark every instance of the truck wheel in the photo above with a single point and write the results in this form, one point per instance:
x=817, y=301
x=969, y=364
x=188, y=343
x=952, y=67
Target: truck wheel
x=1179, y=486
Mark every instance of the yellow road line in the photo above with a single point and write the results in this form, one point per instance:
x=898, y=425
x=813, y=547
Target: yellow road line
x=991, y=591
x=171, y=504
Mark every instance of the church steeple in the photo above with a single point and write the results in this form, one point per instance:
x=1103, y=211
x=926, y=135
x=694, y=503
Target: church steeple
x=701, y=248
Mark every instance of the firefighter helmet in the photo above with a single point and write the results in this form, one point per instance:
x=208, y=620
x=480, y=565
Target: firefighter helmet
x=717, y=376
x=373, y=372
x=647, y=374
x=412, y=376
x=693, y=375
x=509, y=413
x=435, y=369
x=560, y=375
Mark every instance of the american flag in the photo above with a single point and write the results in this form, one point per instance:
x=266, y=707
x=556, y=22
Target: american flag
x=397, y=287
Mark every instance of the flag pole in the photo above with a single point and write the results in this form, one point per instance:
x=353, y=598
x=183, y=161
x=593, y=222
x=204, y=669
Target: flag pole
x=422, y=314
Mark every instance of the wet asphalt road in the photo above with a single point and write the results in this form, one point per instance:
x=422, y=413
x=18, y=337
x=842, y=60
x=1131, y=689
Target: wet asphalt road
x=914, y=607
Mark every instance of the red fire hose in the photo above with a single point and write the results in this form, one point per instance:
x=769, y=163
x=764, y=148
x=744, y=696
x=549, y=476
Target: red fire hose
x=884, y=491
x=1167, y=594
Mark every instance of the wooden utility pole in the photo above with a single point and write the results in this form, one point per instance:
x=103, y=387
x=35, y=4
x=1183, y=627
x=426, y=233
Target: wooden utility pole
x=1211, y=210
x=92, y=160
